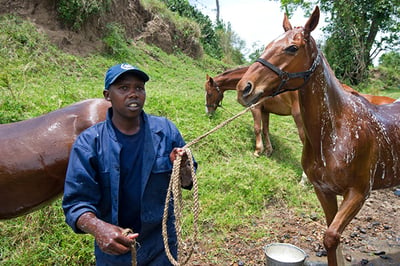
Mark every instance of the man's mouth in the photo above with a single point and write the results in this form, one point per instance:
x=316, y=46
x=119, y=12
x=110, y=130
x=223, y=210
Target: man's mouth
x=133, y=105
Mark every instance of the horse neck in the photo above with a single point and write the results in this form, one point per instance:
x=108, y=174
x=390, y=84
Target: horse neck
x=321, y=100
x=229, y=80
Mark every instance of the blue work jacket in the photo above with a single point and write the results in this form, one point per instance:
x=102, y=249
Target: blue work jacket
x=93, y=179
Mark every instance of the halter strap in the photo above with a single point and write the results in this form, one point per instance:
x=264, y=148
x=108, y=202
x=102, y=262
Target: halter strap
x=219, y=103
x=285, y=76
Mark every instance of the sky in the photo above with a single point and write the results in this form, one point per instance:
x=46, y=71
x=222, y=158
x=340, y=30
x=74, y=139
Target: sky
x=254, y=21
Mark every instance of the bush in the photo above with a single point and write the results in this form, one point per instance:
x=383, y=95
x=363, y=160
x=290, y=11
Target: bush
x=75, y=12
x=115, y=41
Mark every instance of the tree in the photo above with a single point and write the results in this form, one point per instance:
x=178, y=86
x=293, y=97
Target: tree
x=217, y=4
x=358, y=32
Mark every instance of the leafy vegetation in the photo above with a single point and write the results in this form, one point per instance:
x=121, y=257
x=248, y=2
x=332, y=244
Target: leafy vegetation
x=75, y=12
x=219, y=41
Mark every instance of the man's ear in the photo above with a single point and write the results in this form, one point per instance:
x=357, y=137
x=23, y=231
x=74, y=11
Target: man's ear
x=106, y=95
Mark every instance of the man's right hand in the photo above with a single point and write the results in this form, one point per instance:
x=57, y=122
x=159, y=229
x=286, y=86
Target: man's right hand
x=110, y=238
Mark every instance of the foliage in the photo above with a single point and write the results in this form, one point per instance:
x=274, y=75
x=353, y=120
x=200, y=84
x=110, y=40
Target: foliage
x=231, y=44
x=208, y=36
x=75, y=12
x=257, y=51
x=389, y=69
x=115, y=41
x=218, y=41
x=358, y=31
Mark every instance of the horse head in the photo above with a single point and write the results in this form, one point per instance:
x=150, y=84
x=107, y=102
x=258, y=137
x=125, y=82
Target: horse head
x=214, y=95
x=285, y=64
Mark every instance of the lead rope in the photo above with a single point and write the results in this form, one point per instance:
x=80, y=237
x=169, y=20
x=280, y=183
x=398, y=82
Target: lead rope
x=126, y=232
x=175, y=192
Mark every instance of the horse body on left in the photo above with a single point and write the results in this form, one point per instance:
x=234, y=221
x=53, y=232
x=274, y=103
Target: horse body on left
x=35, y=154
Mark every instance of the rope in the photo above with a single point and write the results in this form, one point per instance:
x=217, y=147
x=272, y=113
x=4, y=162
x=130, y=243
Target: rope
x=175, y=192
x=126, y=232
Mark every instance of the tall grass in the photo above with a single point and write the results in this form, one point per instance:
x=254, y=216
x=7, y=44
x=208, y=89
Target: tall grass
x=235, y=187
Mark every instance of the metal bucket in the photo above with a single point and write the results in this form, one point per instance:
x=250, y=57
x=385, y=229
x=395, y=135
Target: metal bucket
x=282, y=254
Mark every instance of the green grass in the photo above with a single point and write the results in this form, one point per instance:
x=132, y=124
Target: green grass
x=235, y=187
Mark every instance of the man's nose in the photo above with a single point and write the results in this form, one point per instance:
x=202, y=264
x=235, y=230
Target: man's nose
x=132, y=93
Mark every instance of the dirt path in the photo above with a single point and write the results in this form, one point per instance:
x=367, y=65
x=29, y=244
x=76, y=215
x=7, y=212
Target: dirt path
x=372, y=238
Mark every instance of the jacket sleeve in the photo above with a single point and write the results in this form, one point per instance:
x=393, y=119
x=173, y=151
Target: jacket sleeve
x=81, y=191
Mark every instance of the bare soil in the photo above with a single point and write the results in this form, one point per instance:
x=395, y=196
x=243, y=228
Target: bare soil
x=372, y=238
x=138, y=23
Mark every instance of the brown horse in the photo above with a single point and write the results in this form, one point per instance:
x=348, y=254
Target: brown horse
x=351, y=146
x=34, y=155
x=283, y=104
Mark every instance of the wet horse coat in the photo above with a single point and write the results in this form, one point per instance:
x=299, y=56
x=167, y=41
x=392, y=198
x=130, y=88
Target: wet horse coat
x=351, y=146
x=34, y=155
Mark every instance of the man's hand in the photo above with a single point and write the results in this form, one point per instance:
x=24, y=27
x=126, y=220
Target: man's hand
x=110, y=238
x=185, y=171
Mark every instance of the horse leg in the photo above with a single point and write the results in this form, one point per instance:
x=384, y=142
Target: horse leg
x=352, y=202
x=265, y=126
x=256, y=112
x=329, y=205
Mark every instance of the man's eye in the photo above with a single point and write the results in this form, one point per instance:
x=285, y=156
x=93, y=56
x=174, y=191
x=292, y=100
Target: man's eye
x=139, y=89
x=124, y=88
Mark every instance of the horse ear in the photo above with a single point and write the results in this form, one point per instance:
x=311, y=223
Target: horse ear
x=286, y=24
x=207, y=77
x=312, y=22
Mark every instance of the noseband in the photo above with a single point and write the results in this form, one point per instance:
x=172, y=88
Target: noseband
x=285, y=76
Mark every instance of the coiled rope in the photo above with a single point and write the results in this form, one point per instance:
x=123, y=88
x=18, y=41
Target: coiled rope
x=175, y=192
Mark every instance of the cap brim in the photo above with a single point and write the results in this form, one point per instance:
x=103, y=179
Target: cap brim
x=138, y=73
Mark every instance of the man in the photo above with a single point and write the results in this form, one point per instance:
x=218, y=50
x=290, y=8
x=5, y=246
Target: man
x=118, y=175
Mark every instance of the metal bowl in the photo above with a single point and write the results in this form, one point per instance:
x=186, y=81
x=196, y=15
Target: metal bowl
x=282, y=254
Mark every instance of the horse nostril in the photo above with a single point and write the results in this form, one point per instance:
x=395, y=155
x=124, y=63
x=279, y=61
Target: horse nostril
x=247, y=89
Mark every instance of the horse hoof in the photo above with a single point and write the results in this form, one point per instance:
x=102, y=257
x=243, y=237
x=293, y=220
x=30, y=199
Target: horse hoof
x=268, y=153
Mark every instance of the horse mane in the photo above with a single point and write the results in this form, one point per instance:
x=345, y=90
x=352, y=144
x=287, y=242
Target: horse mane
x=227, y=72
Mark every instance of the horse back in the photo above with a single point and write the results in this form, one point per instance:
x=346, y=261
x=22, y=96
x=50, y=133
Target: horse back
x=35, y=155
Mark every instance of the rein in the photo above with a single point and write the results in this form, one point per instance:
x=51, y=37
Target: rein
x=175, y=193
x=286, y=76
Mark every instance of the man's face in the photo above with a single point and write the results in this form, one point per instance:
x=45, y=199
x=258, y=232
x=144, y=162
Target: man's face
x=127, y=95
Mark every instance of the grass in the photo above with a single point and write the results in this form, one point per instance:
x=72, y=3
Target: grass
x=235, y=187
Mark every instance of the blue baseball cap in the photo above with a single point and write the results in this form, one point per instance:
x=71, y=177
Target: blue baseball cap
x=115, y=71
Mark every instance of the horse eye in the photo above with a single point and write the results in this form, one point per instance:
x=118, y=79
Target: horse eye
x=291, y=49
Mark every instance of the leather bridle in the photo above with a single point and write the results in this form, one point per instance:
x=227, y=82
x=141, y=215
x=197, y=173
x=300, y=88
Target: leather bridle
x=285, y=76
x=219, y=103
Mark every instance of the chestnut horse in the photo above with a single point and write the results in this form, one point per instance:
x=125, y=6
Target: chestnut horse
x=283, y=104
x=351, y=146
x=34, y=155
